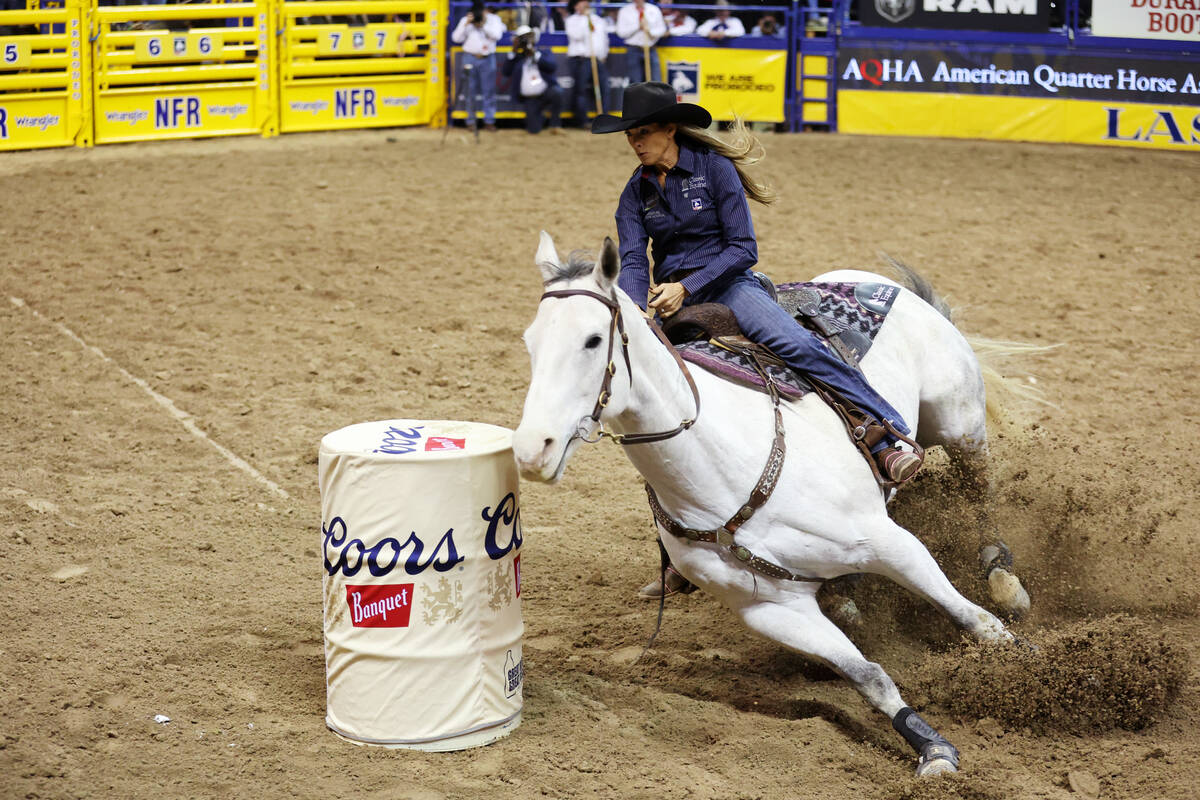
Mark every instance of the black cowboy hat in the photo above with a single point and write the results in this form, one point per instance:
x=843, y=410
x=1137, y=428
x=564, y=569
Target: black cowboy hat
x=644, y=103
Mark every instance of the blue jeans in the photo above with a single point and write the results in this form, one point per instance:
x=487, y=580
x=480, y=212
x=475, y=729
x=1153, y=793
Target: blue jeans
x=583, y=97
x=550, y=100
x=482, y=83
x=765, y=322
x=635, y=65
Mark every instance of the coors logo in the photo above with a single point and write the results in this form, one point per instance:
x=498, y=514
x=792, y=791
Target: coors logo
x=380, y=606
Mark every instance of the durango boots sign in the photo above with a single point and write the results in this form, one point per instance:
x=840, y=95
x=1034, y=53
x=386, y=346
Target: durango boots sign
x=988, y=15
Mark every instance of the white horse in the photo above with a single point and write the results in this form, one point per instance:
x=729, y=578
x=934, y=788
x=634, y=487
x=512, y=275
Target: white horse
x=826, y=517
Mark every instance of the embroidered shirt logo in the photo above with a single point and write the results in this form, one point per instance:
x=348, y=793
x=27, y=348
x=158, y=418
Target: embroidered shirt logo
x=697, y=204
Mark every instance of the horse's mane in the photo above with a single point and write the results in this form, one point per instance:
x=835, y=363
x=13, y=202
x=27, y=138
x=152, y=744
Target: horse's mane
x=579, y=264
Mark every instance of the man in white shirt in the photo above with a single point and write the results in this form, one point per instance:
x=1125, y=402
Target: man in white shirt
x=587, y=47
x=679, y=22
x=478, y=33
x=641, y=25
x=723, y=25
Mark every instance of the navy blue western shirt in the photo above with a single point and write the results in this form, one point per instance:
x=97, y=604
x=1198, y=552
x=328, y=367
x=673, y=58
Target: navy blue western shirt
x=700, y=221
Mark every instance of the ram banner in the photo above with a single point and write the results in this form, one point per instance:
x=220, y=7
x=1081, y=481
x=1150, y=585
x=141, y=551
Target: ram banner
x=1024, y=94
x=1030, y=16
x=1147, y=19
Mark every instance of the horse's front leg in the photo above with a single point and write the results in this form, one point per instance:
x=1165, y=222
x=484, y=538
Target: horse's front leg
x=900, y=556
x=797, y=623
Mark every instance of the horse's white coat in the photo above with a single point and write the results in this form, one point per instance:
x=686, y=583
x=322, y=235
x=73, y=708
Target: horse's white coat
x=826, y=517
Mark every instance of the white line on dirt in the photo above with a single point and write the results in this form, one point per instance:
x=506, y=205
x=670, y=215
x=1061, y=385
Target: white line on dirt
x=185, y=419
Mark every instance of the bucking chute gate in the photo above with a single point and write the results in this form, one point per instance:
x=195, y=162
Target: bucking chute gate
x=74, y=72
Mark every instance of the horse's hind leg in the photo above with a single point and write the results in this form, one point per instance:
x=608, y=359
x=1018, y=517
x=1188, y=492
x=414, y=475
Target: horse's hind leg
x=799, y=625
x=960, y=426
x=969, y=456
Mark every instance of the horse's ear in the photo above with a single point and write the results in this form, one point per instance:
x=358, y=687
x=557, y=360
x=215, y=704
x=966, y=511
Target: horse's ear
x=547, y=258
x=610, y=261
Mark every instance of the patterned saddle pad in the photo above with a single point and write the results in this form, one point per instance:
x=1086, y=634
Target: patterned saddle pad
x=856, y=311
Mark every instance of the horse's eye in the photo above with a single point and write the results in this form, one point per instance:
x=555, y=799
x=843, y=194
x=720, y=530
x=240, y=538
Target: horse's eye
x=593, y=343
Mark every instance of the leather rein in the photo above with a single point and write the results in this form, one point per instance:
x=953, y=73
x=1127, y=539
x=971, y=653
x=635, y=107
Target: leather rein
x=766, y=482
x=617, y=326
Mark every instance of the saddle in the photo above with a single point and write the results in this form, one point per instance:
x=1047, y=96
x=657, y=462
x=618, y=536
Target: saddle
x=708, y=335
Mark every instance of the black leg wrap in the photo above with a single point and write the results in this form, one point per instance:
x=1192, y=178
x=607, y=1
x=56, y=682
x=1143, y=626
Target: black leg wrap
x=921, y=736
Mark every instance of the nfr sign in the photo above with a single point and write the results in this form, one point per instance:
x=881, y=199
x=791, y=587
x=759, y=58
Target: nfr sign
x=349, y=103
x=169, y=111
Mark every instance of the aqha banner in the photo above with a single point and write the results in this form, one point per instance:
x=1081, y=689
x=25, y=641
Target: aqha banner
x=1147, y=19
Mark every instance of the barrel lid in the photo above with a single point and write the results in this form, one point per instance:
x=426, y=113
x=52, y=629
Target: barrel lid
x=418, y=439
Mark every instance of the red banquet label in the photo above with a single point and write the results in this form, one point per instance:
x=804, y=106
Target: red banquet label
x=436, y=443
x=380, y=606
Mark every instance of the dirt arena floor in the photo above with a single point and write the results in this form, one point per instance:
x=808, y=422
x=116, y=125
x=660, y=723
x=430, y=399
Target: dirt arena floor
x=274, y=291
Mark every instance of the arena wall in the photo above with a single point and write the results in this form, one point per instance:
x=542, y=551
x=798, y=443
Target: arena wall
x=74, y=72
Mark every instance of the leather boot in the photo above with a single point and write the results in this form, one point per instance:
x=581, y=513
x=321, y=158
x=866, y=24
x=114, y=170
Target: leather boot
x=897, y=465
x=676, y=584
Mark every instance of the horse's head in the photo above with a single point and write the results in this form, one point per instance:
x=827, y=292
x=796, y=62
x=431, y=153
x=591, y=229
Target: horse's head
x=571, y=348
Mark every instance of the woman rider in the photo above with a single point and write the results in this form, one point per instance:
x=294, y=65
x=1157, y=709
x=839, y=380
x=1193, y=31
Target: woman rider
x=688, y=199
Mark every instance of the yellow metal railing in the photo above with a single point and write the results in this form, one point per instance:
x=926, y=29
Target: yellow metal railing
x=81, y=72
x=360, y=63
x=44, y=78
x=173, y=71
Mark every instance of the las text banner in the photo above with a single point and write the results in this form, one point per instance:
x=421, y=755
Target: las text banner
x=1020, y=118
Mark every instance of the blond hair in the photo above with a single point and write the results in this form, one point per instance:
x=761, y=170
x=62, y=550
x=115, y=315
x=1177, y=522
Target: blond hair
x=742, y=148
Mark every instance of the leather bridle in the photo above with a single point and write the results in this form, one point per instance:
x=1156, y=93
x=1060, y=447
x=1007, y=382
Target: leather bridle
x=617, y=326
x=761, y=493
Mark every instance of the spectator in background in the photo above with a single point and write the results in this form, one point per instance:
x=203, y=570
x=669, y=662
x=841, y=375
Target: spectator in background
x=532, y=72
x=587, y=44
x=535, y=14
x=478, y=33
x=679, y=23
x=641, y=25
x=723, y=26
x=767, y=26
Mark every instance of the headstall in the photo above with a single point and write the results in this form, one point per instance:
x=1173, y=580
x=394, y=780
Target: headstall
x=617, y=326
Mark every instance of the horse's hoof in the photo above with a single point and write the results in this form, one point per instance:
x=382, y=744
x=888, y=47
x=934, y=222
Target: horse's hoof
x=937, y=758
x=995, y=555
x=936, y=766
x=1008, y=593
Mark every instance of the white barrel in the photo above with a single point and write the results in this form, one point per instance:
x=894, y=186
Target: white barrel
x=421, y=533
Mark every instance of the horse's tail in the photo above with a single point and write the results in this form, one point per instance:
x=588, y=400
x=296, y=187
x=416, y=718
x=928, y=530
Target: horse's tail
x=916, y=283
x=1017, y=388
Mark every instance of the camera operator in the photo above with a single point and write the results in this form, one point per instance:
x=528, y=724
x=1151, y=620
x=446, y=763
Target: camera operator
x=534, y=82
x=478, y=33
x=767, y=26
